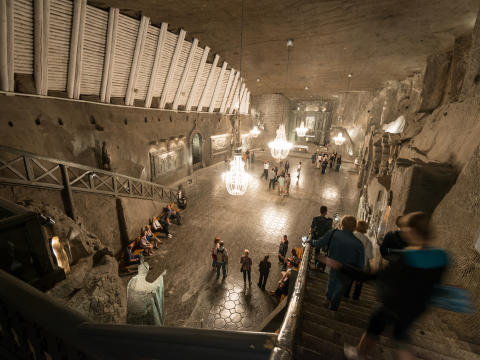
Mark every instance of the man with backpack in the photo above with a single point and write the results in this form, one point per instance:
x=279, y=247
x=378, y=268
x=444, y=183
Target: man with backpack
x=392, y=241
x=319, y=227
x=222, y=259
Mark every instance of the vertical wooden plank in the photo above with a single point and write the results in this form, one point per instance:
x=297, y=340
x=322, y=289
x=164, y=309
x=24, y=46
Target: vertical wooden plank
x=72, y=63
x=227, y=91
x=217, y=88
x=193, y=91
x=186, y=71
x=45, y=43
x=247, y=102
x=171, y=71
x=137, y=59
x=81, y=33
x=241, y=97
x=38, y=45
x=29, y=169
x=108, y=54
x=235, y=96
x=10, y=45
x=3, y=46
x=156, y=64
x=108, y=90
x=232, y=93
x=207, y=85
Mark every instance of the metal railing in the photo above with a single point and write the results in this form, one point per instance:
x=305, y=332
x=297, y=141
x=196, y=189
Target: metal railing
x=286, y=346
x=35, y=325
x=27, y=169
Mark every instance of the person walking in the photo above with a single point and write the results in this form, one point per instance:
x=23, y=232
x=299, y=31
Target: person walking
x=287, y=166
x=319, y=227
x=299, y=167
x=264, y=270
x=214, y=257
x=287, y=184
x=222, y=259
x=272, y=177
x=246, y=267
x=253, y=157
x=324, y=165
x=339, y=162
x=360, y=230
x=265, y=170
x=281, y=185
x=343, y=247
x=282, y=249
x=392, y=241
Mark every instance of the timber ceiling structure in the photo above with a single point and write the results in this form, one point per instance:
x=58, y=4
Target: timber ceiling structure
x=376, y=40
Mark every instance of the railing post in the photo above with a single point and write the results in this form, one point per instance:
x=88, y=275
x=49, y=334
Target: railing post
x=29, y=169
x=115, y=185
x=69, y=206
x=130, y=187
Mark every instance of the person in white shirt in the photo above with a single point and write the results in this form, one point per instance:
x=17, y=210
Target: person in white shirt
x=360, y=230
x=265, y=170
x=298, y=169
x=319, y=161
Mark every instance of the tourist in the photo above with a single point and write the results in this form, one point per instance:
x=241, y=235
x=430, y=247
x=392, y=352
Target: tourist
x=246, y=267
x=282, y=249
x=319, y=227
x=324, y=165
x=313, y=158
x=176, y=215
x=360, y=230
x=244, y=157
x=165, y=221
x=225, y=167
x=332, y=160
x=294, y=260
x=253, y=157
x=156, y=225
x=264, y=270
x=272, y=179
x=282, y=288
x=145, y=244
x=343, y=247
x=339, y=162
x=335, y=156
x=299, y=167
x=287, y=166
x=265, y=170
x=287, y=268
x=276, y=172
x=214, y=257
x=129, y=258
x=281, y=185
x=248, y=155
x=319, y=161
x=150, y=236
x=392, y=241
x=406, y=284
x=287, y=184
x=222, y=259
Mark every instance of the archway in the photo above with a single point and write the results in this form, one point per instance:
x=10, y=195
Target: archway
x=197, y=143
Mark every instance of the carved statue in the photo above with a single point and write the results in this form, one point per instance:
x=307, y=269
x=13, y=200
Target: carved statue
x=106, y=158
x=145, y=299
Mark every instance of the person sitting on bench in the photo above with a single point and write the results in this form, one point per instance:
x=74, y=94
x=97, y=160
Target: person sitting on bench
x=129, y=258
x=151, y=237
x=156, y=225
x=176, y=215
x=145, y=244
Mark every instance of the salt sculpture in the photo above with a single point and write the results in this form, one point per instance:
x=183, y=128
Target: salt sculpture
x=145, y=299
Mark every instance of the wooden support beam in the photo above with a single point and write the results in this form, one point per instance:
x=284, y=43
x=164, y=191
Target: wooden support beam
x=191, y=96
x=45, y=44
x=217, y=88
x=40, y=37
x=242, y=100
x=108, y=54
x=173, y=67
x=137, y=60
x=185, y=74
x=72, y=63
x=240, y=96
x=108, y=90
x=207, y=84
x=235, y=96
x=228, y=106
x=247, y=102
x=81, y=36
x=227, y=91
x=4, y=86
x=156, y=64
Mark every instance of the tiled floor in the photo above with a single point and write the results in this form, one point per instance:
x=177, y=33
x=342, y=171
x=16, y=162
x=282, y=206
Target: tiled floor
x=255, y=221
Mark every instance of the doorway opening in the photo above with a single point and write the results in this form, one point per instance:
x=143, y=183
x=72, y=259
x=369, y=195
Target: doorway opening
x=197, y=151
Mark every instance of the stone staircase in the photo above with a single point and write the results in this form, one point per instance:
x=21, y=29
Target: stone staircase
x=323, y=336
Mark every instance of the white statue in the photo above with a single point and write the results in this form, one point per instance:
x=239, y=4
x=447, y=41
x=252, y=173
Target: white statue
x=145, y=299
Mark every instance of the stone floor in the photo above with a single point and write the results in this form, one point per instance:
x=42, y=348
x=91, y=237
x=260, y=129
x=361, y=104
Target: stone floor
x=255, y=221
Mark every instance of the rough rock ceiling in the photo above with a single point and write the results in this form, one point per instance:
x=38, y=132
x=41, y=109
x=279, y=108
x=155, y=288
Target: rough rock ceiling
x=376, y=40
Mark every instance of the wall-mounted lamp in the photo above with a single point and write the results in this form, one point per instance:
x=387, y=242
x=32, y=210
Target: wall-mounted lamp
x=290, y=42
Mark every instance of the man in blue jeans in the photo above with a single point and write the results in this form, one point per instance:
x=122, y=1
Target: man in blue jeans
x=222, y=259
x=345, y=248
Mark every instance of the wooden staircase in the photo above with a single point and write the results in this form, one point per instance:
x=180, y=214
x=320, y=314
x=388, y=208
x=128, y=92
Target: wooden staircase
x=323, y=337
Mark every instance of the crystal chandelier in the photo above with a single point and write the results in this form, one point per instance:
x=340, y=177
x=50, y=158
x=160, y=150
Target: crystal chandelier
x=302, y=130
x=236, y=179
x=280, y=147
x=339, y=140
x=255, y=132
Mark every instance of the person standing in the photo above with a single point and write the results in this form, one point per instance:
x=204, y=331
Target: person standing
x=246, y=268
x=265, y=170
x=319, y=227
x=272, y=179
x=282, y=249
x=264, y=269
x=281, y=185
x=165, y=221
x=287, y=166
x=248, y=155
x=339, y=162
x=222, y=259
x=287, y=184
x=324, y=165
x=225, y=167
x=332, y=160
x=345, y=248
x=214, y=257
x=335, y=156
x=314, y=159
x=253, y=157
x=299, y=167
x=319, y=161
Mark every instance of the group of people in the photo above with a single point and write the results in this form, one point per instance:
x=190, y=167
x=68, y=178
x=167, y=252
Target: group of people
x=280, y=177
x=322, y=161
x=148, y=241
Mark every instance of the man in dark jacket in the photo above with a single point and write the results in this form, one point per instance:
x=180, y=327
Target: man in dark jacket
x=392, y=241
x=319, y=227
x=282, y=250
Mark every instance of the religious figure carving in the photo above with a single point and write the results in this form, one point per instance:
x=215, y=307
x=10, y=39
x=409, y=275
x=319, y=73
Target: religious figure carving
x=106, y=158
x=144, y=299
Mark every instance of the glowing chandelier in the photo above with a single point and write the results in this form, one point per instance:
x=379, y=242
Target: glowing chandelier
x=280, y=147
x=255, y=132
x=339, y=140
x=236, y=179
x=302, y=130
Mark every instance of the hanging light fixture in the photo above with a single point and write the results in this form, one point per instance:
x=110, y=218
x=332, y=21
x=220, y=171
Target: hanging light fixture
x=255, y=132
x=281, y=147
x=339, y=140
x=302, y=130
x=236, y=179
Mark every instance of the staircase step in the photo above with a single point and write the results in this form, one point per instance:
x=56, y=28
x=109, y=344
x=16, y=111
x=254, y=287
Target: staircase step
x=372, y=296
x=365, y=304
x=420, y=347
x=307, y=354
x=369, y=286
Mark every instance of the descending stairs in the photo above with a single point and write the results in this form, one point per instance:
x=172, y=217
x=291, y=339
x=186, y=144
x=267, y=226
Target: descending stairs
x=323, y=336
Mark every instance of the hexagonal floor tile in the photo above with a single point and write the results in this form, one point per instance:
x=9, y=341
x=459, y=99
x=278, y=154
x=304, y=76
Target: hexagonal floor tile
x=225, y=313
x=229, y=305
x=236, y=318
x=219, y=324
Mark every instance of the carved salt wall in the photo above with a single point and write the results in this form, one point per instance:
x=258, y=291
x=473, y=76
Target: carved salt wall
x=166, y=161
x=219, y=144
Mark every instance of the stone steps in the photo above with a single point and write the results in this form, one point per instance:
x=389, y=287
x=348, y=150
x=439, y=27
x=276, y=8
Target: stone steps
x=322, y=284
x=319, y=293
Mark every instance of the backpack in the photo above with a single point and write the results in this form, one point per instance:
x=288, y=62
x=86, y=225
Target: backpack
x=320, y=229
x=220, y=256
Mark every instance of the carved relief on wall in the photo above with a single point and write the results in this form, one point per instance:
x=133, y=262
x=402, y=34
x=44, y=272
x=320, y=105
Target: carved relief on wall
x=219, y=144
x=164, y=161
